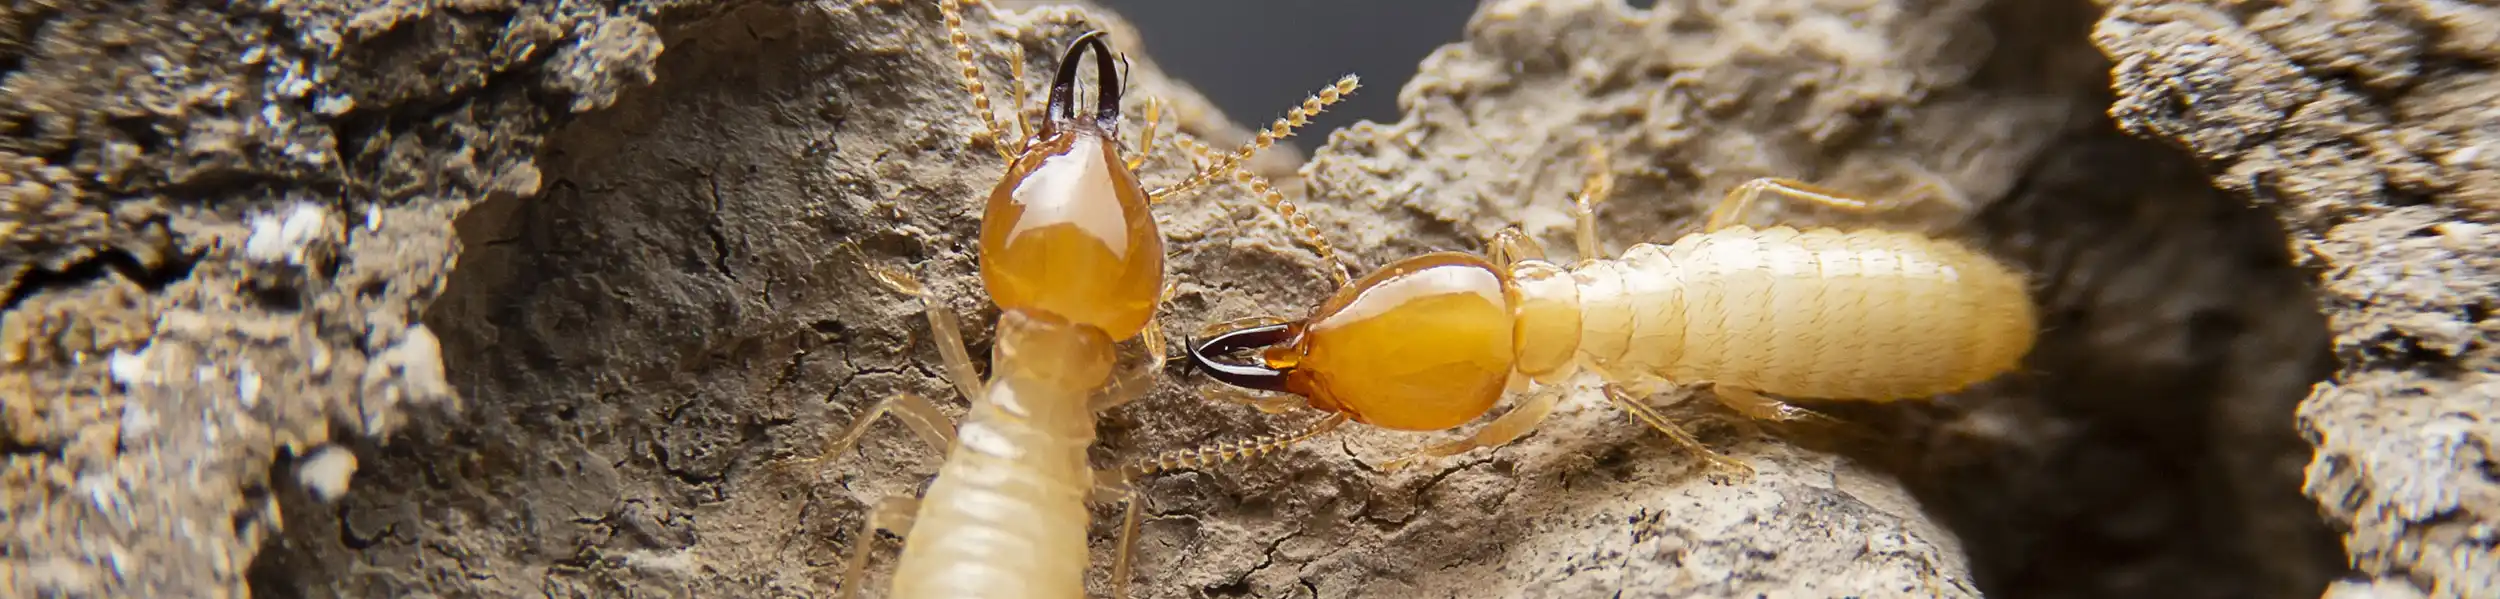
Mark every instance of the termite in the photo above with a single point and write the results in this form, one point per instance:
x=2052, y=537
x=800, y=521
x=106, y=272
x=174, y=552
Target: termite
x=1434, y=341
x=1071, y=254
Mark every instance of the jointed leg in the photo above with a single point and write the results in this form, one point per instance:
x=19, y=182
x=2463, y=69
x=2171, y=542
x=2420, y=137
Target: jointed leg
x=1753, y=404
x=1154, y=123
x=1216, y=328
x=949, y=337
x=1270, y=404
x=1016, y=93
x=1599, y=184
x=1731, y=209
x=1121, y=490
x=1119, y=485
x=1511, y=245
x=1509, y=427
x=923, y=418
x=944, y=330
x=1633, y=405
x=1130, y=383
x=1282, y=128
x=893, y=513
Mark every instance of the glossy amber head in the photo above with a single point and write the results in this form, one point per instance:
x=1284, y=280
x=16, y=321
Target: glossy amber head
x=1067, y=231
x=1421, y=344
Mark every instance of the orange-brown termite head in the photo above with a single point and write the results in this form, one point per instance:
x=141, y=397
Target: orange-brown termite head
x=1068, y=231
x=1425, y=343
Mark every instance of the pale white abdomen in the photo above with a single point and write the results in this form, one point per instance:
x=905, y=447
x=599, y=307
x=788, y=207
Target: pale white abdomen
x=1007, y=515
x=1824, y=314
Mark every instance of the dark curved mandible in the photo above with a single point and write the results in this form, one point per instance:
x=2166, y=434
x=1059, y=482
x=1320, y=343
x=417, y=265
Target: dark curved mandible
x=1106, y=75
x=1243, y=375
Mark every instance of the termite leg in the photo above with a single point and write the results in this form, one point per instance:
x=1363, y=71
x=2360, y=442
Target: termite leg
x=1269, y=404
x=1120, y=485
x=1731, y=209
x=1599, y=184
x=1753, y=404
x=1217, y=328
x=945, y=330
x=1131, y=383
x=1632, y=404
x=970, y=78
x=894, y=514
x=949, y=337
x=1016, y=92
x=922, y=417
x=1505, y=429
x=1511, y=245
x=1146, y=145
x=1135, y=381
x=1121, y=489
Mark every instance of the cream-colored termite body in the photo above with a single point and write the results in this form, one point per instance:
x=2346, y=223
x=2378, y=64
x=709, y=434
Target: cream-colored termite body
x=1071, y=254
x=1434, y=341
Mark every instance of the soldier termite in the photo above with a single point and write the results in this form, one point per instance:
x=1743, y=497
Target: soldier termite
x=1433, y=341
x=1070, y=252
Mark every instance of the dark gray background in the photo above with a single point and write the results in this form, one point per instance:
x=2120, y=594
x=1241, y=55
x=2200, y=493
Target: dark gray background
x=1258, y=58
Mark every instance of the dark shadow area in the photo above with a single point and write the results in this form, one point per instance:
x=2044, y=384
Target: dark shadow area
x=2148, y=449
x=1253, y=59
x=630, y=339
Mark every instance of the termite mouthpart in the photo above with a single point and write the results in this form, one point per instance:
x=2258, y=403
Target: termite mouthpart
x=1249, y=376
x=1062, y=102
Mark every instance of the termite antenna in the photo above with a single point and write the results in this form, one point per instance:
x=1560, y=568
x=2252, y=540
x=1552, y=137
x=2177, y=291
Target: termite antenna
x=969, y=75
x=1282, y=128
x=1107, y=79
x=1200, y=457
x=1267, y=194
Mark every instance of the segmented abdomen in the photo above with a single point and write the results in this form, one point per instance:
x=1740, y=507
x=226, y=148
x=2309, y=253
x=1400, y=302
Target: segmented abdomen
x=1817, y=314
x=1006, y=516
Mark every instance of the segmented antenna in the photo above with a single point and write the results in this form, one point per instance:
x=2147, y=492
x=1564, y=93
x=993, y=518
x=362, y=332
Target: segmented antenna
x=971, y=77
x=1219, y=453
x=1282, y=128
x=1275, y=200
